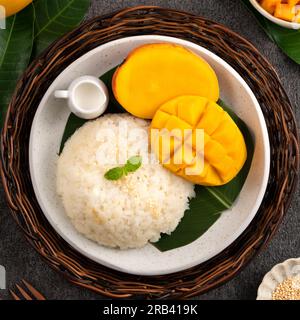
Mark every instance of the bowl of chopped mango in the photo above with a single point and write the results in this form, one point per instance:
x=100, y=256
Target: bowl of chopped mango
x=285, y=13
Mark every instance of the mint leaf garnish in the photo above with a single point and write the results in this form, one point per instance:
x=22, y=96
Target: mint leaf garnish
x=115, y=173
x=131, y=165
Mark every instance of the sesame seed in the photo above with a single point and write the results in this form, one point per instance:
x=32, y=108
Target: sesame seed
x=289, y=289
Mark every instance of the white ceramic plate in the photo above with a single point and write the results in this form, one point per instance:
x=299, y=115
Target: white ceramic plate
x=47, y=130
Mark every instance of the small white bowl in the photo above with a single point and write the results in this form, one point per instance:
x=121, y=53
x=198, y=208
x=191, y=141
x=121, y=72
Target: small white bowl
x=280, y=22
x=279, y=273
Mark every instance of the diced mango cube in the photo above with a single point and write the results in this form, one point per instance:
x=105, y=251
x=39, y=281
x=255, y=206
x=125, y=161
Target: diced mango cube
x=269, y=5
x=177, y=127
x=293, y=2
x=163, y=144
x=160, y=120
x=285, y=12
x=283, y=9
x=184, y=154
x=211, y=120
x=189, y=113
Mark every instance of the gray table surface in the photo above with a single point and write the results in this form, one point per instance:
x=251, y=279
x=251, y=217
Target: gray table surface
x=21, y=261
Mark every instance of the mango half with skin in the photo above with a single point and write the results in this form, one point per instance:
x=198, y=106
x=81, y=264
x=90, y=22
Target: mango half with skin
x=156, y=73
x=222, y=153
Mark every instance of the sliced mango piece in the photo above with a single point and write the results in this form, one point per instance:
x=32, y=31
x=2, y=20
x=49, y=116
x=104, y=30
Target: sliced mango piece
x=283, y=9
x=270, y=5
x=156, y=73
x=222, y=153
x=285, y=12
x=293, y=2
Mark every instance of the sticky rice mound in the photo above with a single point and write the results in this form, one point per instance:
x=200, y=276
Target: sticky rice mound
x=131, y=211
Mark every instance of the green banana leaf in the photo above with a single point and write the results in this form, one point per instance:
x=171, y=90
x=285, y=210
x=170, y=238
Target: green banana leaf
x=206, y=208
x=54, y=18
x=15, y=50
x=287, y=39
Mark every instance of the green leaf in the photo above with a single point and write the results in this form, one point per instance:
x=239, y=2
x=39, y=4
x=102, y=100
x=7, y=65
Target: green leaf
x=133, y=164
x=73, y=124
x=54, y=18
x=206, y=208
x=287, y=39
x=204, y=211
x=115, y=173
x=15, y=49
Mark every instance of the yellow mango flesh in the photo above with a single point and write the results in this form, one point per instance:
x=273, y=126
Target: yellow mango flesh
x=224, y=147
x=155, y=73
x=293, y=2
x=13, y=6
x=282, y=9
x=270, y=5
x=285, y=12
